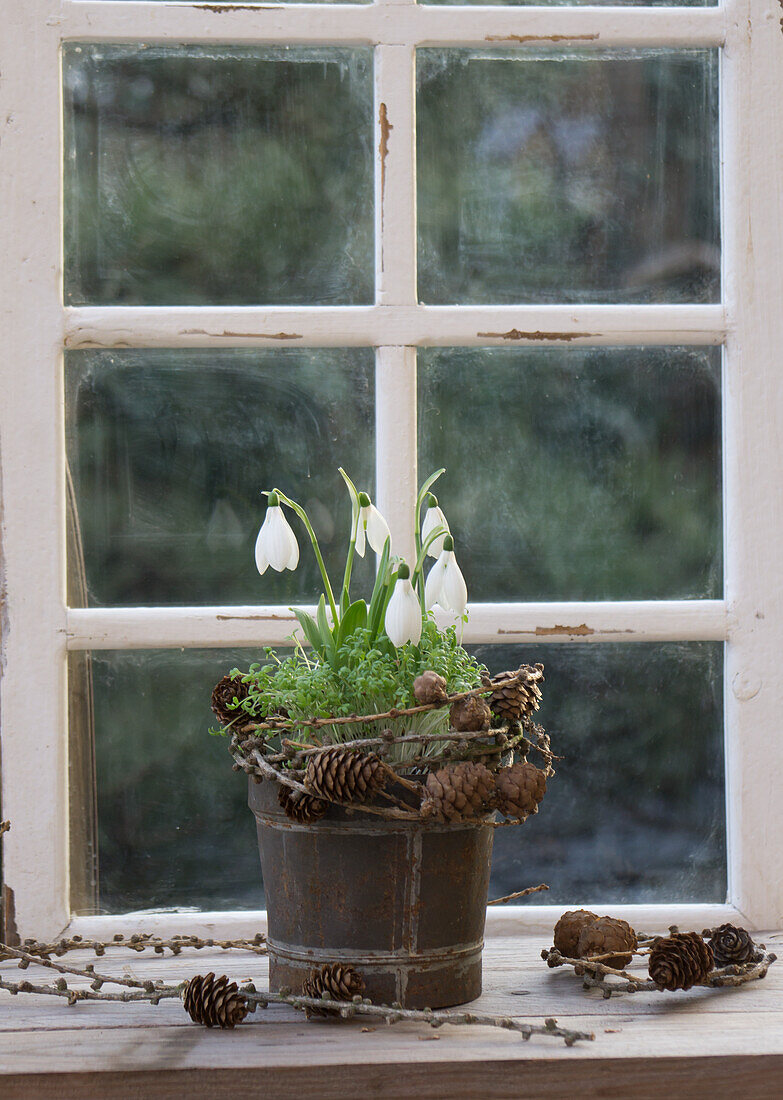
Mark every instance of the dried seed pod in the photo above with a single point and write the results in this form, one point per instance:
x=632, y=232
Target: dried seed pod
x=304, y=808
x=225, y=694
x=469, y=714
x=568, y=929
x=338, y=981
x=730, y=945
x=520, y=698
x=338, y=774
x=430, y=687
x=459, y=791
x=605, y=935
x=680, y=961
x=520, y=788
x=214, y=1002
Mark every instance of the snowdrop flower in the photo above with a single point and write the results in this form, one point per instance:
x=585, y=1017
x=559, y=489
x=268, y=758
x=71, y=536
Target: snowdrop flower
x=372, y=522
x=433, y=518
x=403, y=615
x=445, y=584
x=276, y=544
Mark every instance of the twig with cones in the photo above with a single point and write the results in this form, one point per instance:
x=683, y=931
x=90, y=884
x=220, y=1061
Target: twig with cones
x=140, y=942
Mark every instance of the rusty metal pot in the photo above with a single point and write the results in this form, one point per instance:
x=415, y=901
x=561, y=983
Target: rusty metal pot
x=402, y=902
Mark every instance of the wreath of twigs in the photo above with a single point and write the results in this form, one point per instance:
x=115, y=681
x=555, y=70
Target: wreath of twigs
x=286, y=763
x=597, y=974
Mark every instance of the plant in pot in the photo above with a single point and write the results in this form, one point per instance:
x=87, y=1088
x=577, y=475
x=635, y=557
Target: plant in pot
x=380, y=759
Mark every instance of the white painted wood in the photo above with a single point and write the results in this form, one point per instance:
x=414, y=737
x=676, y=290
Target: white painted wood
x=167, y=627
x=395, y=444
x=395, y=179
x=753, y=399
x=32, y=537
x=393, y=24
x=347, y=326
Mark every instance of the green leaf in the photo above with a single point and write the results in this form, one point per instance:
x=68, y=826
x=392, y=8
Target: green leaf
x=325, y=631
x=312, y=632
x=427, y=485
x=380, y=583
x=354, y=618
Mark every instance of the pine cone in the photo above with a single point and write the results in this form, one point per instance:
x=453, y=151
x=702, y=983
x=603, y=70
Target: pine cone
x=680, y=961
x=342, y=983
x=568, y=928
x=606, y=934
x=519, y=699
x=342, y=775
x=520, y=788
x=214, y=1002
x=459, y=791
x=468, y=714
x=430, y=688
x=223, y=695
x=304, y=808
x=730, y=945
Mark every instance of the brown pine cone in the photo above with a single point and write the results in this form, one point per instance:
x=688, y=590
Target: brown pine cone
x=520, y=788
x=340, y=982
x=342, y=775
x=304, y=808
x=214, y=1002
x=468, y=714
x=459, y=791
x=730, y=945
x=430, y=688
x=520, y=698
x=680, y=961
x=568, y=928
x=224, y=693
x=604, y=935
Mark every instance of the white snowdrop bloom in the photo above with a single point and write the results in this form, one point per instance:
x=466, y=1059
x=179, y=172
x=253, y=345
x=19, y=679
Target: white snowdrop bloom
x=373, y=524
x=403, y=615
x=276, y=544
x=434, y=518
x=445, y=584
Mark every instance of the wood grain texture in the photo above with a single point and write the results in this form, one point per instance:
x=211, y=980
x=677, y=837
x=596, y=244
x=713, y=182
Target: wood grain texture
x=705, y=1042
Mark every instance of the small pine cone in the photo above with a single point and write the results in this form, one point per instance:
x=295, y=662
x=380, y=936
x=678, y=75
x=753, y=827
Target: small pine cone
x=459, y=791
x=341, y=983
x=604, y=935
x=730, y=945
x=520, y=789
x=520, y=698
x=568, y=928
x=214, y=1002
x=468, y=714
x=680, y=961
x=342, y=775
x=225, y=692
x=304, y=808
x=430, y=688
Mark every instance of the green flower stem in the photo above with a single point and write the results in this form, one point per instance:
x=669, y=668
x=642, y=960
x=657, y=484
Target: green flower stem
x=299, y=510
x=418, y=580
x=418, y=573
x=345, y=595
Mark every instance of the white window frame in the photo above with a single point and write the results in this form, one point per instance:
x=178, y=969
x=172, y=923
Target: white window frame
x=37, y=627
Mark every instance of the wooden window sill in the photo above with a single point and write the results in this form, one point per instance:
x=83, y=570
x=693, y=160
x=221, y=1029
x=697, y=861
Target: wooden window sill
x=696, y=1044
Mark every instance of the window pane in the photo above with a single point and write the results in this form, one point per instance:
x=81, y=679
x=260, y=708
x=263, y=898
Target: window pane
x=223, y=175
x=578, y=474
x=636, y=810
x=568, y=177
x=169, y=451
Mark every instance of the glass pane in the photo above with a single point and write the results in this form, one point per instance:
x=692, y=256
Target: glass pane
x=169, y=451
x=568, y=177
x=578, y=474
x=173, y=828
x=636, y=810
x=223, y=175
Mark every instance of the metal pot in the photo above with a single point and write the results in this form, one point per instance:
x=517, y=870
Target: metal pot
x=402, y=902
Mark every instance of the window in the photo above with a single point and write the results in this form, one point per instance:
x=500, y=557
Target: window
x=547, y=256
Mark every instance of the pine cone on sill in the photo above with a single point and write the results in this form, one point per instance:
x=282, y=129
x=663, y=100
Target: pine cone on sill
x=731, y=946
x=340, y=982
x=459, y=791
x=520, y=788
x=568, y=929
x=337, y=774
x=606, y=935
x=224, y=693
x=214, y=1002
x=519, y=699
x=303, y=808
x=680, y=961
